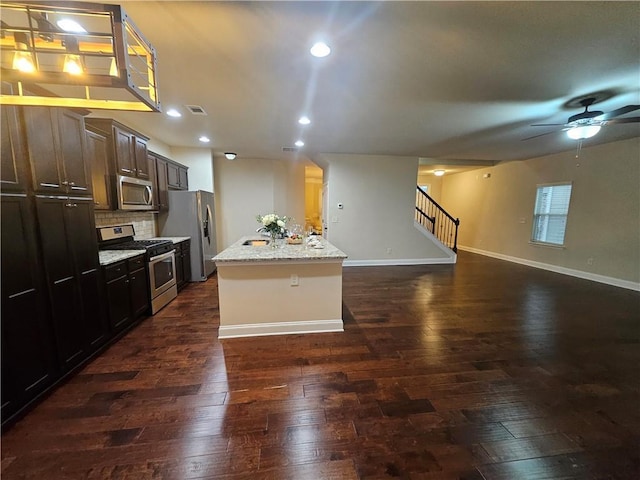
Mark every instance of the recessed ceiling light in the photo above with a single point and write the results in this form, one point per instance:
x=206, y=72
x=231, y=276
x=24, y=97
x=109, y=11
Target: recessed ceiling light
x=172, y=112
x=70, y=26
x=438, y=173
x=299, y=143
x=230, y=155
x=304, y=120
x=320, y=49
x=204, y=139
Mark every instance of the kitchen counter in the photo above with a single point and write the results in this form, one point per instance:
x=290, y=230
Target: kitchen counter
x=276, y=291
x=173, y=239
x=107, y=257
x=264, y=253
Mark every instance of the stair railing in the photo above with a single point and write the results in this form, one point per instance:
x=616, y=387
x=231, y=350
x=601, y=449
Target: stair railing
x=436, y=219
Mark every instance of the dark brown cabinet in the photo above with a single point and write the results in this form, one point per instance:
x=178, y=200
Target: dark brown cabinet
x=183, y=264
x=56, y=146
x=127, y=291
x=177, y=177
x=12, y=156
x=29, y=363
x=71, y=266
x=161, y=183
x=98, y=158
x=127, y=148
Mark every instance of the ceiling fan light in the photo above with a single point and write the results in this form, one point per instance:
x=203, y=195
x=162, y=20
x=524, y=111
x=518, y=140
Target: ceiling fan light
x=585, y=131
x=230, y=155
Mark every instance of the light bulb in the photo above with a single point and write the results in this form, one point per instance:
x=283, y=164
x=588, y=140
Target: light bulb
x=230, y=155
x=584, y=131
x=438, y=173
x=320, y=50
x=304, y=120
x=22, y=59
x=72, y=64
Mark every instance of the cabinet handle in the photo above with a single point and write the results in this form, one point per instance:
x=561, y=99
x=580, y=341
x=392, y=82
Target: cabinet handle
x=71, y=205
x=72, y=183
x=64, y=182
x=126, y=170
x=96, y=203
x=78, y=188
x=52, y=185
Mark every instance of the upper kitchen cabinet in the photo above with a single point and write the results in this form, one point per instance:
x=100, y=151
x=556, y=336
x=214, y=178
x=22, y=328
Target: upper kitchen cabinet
x=13, y=175
x=177, y=176
x=161, y=181
x=127, y=148
x=97, y=153
x=62, y=169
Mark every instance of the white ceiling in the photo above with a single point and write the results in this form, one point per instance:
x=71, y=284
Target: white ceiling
x=437, y=80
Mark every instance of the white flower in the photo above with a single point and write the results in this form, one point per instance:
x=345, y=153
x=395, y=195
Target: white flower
x=280, y=223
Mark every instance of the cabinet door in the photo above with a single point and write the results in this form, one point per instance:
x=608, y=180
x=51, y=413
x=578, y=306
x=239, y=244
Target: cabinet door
x=119, y=307
x=179, y=267
x=71, y=152
x=140, y=154
x=98, y=157
x=173, y=175
x=83, y=243
x=184, y=178
x=13, y=158
x=162, y=194
x=28, y=346
x=123, y=145
x=139, y=288
x=42, y=144
x=186, y=258
x=62, y=283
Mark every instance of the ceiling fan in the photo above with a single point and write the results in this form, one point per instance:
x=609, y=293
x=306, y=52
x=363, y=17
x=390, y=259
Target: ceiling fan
x=588, y=123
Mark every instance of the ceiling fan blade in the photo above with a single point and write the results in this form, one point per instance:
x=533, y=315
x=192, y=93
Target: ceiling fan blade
x=548, y=125
x=619, y=111
x=623, y=120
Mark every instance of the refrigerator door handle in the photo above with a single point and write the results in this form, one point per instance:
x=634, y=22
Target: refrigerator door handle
x=208, y=221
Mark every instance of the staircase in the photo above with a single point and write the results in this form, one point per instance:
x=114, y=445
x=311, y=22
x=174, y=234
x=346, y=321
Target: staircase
x=436, y=220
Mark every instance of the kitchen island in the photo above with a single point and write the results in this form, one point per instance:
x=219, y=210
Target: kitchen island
x=277, y=291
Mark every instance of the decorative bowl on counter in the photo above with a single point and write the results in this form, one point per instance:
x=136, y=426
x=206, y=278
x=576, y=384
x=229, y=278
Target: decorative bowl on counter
x=294, y=239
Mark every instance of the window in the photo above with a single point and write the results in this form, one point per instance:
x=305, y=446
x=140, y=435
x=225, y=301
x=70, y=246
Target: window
x=550, y=213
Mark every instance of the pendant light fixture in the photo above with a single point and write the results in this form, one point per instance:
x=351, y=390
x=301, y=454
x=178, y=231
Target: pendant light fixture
x=76, y=54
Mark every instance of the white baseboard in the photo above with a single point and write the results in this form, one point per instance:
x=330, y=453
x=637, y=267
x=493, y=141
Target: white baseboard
x=399, y=261
x=616, y=282
x=280, y=328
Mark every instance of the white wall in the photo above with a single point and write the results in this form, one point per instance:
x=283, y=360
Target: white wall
x=200, y=163
x=604, y=214
x=247, y=187
x=378, y=197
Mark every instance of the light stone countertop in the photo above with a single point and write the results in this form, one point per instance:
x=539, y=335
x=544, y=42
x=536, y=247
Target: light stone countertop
x=238, y=253
x=173, y=239
x=107, y=257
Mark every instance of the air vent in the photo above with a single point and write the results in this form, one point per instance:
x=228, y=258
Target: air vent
x=290, y=149
x=196, y=109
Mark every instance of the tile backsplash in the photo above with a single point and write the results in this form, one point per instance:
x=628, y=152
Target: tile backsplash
x=144, y=223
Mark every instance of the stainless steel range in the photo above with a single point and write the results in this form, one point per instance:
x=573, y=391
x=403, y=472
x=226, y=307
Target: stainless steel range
x=160, y=257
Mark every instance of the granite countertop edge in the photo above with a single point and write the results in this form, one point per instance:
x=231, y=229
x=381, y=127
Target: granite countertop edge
x=107, y=257
x=238, y=253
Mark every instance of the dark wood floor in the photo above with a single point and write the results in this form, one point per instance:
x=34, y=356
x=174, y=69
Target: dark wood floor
x=483, y=370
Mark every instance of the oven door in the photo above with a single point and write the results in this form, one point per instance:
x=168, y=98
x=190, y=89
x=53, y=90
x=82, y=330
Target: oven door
x=162, y=273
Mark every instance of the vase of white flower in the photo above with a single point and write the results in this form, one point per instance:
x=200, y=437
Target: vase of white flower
x=274, y=225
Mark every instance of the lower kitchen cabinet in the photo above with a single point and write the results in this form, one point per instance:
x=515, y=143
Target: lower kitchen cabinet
x=127, y=291
x=29, y=363
x=183, y=263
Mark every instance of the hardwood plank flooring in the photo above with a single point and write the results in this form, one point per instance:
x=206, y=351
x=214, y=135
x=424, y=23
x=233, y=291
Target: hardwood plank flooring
x=482, y=370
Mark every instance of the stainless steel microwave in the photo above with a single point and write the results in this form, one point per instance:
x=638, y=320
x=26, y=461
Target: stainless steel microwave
x=134, y=193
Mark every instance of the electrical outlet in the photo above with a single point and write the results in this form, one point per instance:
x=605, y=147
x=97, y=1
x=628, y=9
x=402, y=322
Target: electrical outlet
x=389, y=250
x=590, y=261
x=295, y=281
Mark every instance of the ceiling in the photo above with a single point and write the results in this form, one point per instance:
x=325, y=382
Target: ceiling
x=449, y=82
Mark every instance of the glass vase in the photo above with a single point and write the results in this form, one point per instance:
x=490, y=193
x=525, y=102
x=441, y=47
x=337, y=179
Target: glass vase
x=273, y=242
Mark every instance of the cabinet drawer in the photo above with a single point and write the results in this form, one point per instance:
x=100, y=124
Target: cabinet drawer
x=117, y=270
x=136, y=263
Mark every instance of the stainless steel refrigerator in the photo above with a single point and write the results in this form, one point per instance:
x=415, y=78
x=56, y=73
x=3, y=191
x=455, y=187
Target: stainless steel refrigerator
x=192, y=214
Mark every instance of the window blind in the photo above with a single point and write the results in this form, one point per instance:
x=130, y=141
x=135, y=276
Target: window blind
x=550, y=213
